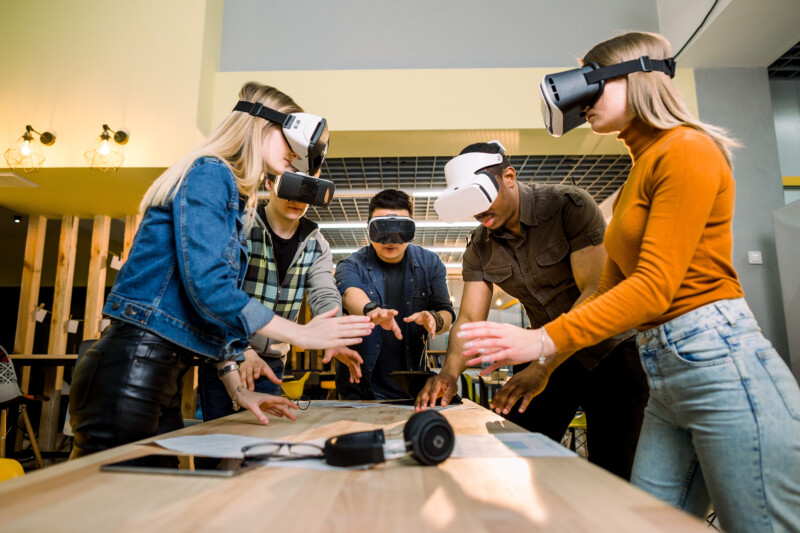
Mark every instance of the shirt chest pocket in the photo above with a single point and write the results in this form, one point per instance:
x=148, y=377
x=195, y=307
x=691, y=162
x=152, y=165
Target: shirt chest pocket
x=502, y=276
x=554, y=266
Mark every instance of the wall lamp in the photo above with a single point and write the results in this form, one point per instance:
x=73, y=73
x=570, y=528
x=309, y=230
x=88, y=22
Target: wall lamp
x=105, y=155
x=26, y=153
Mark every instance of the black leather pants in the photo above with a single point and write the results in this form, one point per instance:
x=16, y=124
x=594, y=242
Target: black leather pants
x=126, y=387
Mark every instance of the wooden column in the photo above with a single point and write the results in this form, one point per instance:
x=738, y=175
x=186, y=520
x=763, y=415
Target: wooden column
x=62, y=298
x=29, y=291
x=131, y=225
x=96, y=284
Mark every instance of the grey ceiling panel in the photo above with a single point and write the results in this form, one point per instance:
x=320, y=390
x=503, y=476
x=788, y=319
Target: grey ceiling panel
x=357, y=178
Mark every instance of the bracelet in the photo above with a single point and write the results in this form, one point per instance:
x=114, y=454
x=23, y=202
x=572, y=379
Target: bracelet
x=439, y=321
x=227, y=369
x=233, y=397
x=542, y=360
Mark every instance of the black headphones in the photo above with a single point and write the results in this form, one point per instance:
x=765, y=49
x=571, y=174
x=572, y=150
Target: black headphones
x=428, y=437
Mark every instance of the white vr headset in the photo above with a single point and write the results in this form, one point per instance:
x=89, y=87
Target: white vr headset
x=471, y=189
x=306, y=134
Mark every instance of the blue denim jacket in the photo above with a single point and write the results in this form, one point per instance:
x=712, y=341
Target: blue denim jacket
x=182, y=279
x=425, y=290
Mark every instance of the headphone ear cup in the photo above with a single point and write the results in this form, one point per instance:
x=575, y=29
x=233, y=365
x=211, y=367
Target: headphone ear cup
x=429, y=437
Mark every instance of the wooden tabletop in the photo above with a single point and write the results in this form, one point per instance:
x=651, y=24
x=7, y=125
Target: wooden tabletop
x=460, y=495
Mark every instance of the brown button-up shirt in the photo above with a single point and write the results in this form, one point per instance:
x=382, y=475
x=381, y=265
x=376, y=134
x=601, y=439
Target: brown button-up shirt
x=555, y=220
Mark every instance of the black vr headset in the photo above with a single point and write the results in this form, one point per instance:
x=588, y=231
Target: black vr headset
x=300, y=187
x=427, y=437
x=306, y=134
x=565, y=95
x=391, y=229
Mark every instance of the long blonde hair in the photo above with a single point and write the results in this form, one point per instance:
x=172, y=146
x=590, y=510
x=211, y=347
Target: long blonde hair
x=237, y=142
x=651, y=95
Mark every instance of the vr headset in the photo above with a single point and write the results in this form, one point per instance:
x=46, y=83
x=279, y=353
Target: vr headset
x=471, y=189
x=306, y=134
x=565, y=95
x=391, y=229
x=427, y=437
x=300, y=187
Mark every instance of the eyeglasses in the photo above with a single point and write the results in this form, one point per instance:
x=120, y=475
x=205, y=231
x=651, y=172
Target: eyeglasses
x=284, y=451
x=303, y=402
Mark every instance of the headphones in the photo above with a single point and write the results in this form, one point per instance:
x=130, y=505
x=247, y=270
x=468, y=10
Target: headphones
x=428, y=438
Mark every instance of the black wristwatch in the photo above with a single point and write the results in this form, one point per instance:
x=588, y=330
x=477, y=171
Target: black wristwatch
x=439, y=321
x=369, y=307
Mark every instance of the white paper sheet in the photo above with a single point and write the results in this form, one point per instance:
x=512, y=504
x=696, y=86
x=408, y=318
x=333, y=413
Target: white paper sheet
x=509, y=445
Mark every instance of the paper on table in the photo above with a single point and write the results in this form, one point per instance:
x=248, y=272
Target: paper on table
x=509, y=445
x=221, y=445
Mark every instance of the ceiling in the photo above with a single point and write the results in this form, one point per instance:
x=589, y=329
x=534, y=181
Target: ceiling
x=787, y=66
x=357, y=178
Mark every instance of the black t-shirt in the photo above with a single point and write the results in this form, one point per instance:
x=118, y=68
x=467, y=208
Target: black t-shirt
x=284, y=250
x=393, y=351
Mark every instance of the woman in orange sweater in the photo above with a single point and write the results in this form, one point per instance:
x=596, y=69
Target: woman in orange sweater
x=723, y=420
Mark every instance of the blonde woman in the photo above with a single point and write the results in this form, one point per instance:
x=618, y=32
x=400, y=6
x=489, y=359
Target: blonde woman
x=723, y=418
x=178, y=294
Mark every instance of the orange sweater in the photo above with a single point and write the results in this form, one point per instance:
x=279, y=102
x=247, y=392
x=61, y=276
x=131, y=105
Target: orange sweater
x=669, y=243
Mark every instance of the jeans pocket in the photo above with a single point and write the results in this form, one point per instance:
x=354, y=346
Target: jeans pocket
x=783, y=379
x=704, y=348
x=83, y=378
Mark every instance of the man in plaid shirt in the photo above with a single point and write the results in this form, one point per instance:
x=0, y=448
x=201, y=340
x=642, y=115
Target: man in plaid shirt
x=289, y=259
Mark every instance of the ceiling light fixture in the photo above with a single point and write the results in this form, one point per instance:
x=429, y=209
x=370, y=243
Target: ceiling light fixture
x=104, y=155
x=26, y=153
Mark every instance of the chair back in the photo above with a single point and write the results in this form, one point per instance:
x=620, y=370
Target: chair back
x=294, y=389
x=9, y=388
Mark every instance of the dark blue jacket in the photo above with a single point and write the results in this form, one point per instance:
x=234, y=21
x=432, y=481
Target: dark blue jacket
x=185, y=268
x=425, y=290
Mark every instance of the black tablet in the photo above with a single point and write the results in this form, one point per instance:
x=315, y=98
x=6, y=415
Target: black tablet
x=187, y=465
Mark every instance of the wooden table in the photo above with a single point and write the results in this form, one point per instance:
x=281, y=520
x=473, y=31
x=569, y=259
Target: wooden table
x=460, y=495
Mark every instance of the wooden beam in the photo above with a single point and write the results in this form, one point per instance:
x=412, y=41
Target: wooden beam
x=131, y=225
x=96, y=284
x=62, y=299
x=29, y=291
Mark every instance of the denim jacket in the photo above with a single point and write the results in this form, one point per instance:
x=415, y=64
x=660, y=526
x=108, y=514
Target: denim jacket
x=425, y=290
x=182, y=279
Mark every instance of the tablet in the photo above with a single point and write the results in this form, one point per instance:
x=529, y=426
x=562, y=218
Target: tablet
x=185, y=465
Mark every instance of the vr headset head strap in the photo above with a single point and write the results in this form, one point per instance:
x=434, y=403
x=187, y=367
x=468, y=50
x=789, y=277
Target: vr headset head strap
x=258, y=109
x=643, y=64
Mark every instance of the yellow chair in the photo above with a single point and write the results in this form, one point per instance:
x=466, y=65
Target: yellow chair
x=470, y=391
x=9, y=468
x=575, y=437
x=294, y=389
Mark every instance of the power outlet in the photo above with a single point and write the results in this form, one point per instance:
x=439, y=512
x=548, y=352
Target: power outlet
x=754, y=258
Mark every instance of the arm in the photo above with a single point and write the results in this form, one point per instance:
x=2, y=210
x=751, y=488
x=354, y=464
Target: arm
x=354, y=298
x=203, y=230
x=476, y=301
x=587, y=267
x=438, y=302
x=321, y=292
x=255, y=402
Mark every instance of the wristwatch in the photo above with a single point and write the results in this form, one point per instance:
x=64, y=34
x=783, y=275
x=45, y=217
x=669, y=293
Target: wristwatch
x=369, y=307
x=439, y=321
x=233, y=397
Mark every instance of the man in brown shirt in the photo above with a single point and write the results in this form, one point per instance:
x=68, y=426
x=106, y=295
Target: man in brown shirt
x=543, y=244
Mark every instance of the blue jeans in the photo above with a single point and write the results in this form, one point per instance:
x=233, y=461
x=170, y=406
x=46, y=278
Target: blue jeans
x=214, y=399
x=723, y=421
